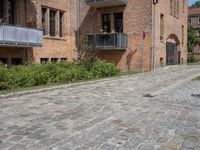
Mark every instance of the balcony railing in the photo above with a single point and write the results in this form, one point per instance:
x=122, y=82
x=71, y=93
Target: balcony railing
x=105, y=3
x=20, y=36
x=112, y=41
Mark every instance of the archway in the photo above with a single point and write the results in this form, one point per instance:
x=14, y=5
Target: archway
x=172, y=50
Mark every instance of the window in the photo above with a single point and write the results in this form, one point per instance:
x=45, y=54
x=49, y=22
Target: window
x=1, y=9
x=44, y=20
x=4, y=60
x=174, y=8
x=63, y=59
x=171, y=7
x=183, y=30
x=52, y=23
x=106, y=23
x=198, y=33
x=177, y=13
x=44, y=60
x=118, y=22
x=183, y=6
x=198, y=20
x=16, y=61
x=161, y=27
x=61, y=24
x=11, y=12
x=190, y=21
x=54, y=60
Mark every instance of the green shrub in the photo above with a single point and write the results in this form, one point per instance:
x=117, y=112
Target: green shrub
x=102, y=69
x=53, y=73
x=191, y=58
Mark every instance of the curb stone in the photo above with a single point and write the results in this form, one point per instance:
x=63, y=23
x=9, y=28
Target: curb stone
x=27, y=92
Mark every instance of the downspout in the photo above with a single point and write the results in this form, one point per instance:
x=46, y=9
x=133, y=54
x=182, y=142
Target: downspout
x=78, y=28
x=26, y=49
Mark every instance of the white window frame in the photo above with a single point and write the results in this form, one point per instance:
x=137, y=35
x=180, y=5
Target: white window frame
x=198, y=20
x=189, y=21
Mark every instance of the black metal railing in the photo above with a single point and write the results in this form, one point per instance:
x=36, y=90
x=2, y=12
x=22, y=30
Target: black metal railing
x=112, y=41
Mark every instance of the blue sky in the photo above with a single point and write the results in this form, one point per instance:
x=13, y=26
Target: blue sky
x=191, y=1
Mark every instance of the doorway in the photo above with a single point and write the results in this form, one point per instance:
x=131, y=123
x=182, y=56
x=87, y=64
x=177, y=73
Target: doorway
x=171, y=54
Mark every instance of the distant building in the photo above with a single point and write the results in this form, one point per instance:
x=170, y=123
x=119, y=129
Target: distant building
x=194, y=21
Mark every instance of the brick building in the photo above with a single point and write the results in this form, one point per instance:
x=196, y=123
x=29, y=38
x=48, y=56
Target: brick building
x=36, y=31
x=120, y=30
x=194, y=21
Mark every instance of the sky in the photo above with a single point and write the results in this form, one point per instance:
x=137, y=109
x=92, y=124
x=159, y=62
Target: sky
x=191, y=2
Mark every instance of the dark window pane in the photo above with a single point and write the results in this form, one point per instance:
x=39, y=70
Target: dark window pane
x=4, y=60
x=118, y=22
x=61, y=24
x=52, y=23
x=44, y=60
x=54, y=60
x=16, y=61
x=106, y=23
x=63, y=59
x=1, y=9
x=44, y=21
x=11, y=12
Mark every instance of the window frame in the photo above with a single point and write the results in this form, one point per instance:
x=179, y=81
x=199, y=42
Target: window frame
x=61, y=21
x=11, y=12
x=106, y=23
x=121, y=30
x=44, y=20
x=52, y=23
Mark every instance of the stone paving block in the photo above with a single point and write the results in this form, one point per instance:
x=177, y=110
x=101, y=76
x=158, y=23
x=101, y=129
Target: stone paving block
x=108, y=115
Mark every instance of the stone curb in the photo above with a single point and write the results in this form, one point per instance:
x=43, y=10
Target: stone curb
x=27, y=92
x=17, y=94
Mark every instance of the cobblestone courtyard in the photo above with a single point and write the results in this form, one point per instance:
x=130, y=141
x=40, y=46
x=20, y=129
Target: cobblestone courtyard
x=146, y=111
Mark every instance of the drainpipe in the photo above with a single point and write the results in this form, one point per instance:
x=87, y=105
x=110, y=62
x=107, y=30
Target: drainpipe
x=78, y=28
x=154, y=35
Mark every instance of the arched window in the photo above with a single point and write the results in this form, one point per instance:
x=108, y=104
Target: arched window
x=171, y=7
x=177, y=10
x=183, y=6
x=174, y=8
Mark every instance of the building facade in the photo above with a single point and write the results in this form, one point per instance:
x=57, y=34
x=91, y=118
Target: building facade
x=47, y=21
x=120, y=31
x=123, y=32
x=194, y=22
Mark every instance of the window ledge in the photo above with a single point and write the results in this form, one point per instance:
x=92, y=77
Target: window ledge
x=54, y=38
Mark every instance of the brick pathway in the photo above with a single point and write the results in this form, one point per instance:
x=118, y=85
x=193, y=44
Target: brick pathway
x=146, y=112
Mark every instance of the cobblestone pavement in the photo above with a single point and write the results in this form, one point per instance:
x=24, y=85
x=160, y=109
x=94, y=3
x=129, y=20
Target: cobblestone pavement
x=145, y=112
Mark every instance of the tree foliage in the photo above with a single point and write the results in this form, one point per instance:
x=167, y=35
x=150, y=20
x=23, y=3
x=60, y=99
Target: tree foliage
x=192, y=41
x=196, y=5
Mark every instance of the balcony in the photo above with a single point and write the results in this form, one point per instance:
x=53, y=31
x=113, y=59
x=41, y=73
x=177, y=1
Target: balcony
x=105, y=3
x=20, y=36
x=111, y=41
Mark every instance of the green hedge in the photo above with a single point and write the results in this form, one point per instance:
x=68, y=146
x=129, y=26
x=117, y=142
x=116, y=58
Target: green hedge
x=53, y=73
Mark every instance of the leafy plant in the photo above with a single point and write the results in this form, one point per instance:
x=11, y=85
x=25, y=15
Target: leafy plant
x=1, y=21
x=53, y=73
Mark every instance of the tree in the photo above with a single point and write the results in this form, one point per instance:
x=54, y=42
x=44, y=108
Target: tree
x=1, y=21
x=192, y=41
x=196, y=4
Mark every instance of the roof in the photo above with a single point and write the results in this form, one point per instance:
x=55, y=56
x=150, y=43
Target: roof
x=193, y=11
